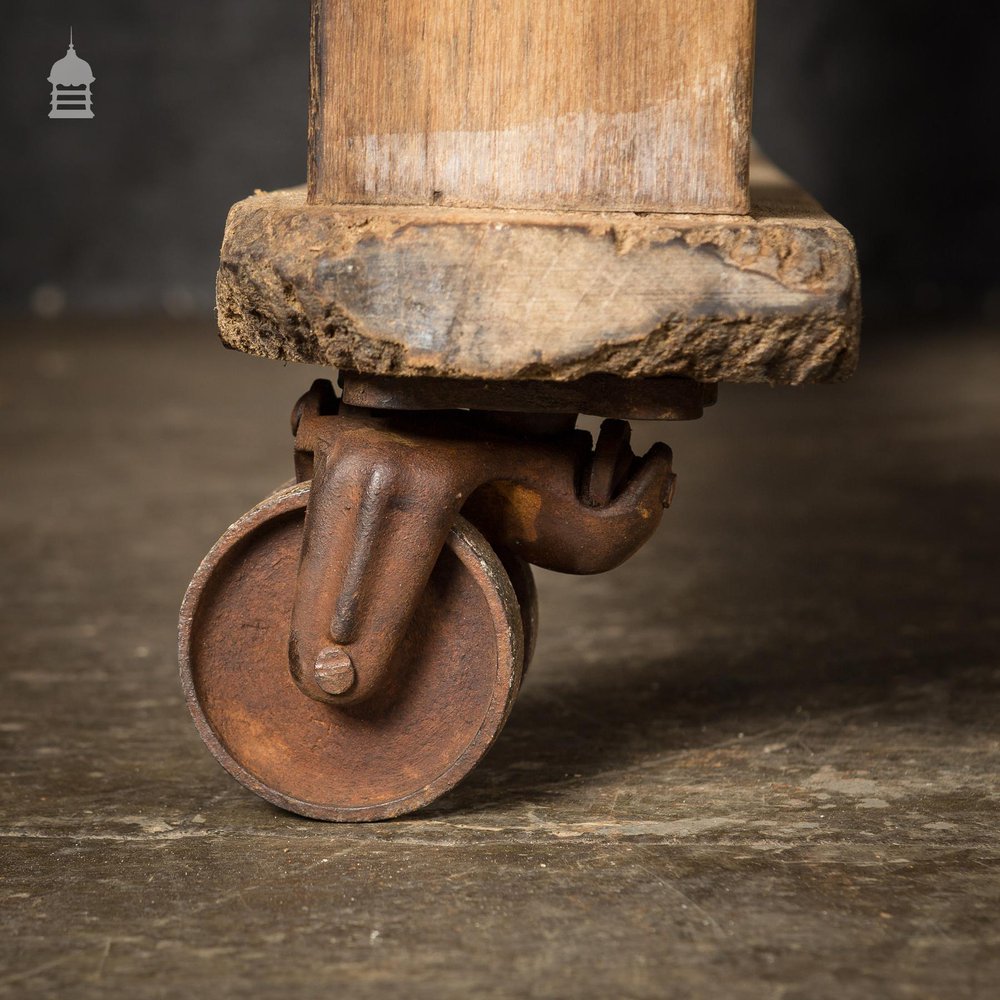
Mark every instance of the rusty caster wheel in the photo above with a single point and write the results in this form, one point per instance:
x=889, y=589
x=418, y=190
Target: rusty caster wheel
x=459, y=670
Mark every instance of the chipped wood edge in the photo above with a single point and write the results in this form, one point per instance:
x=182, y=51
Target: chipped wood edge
x=768, y=297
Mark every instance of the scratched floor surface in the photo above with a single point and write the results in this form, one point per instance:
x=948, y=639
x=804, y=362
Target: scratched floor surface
x=759, y=760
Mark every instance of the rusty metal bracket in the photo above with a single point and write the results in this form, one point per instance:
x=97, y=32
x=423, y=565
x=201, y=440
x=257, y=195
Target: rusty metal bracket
x=663, y=398
x=387, y=486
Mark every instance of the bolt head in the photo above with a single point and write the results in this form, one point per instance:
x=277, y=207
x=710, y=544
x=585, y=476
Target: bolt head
x=334, y=671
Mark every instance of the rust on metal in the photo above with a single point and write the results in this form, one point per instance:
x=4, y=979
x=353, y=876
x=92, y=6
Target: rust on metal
x=339, y=625
x=457, y=673
x=611, y=463
x=663, y=398
x=335, y=670
x=386, y=488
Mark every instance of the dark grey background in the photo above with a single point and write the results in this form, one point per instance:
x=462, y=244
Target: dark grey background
x=884, y=109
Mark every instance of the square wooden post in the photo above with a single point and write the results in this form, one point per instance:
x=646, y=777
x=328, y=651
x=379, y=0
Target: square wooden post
x=606, y=105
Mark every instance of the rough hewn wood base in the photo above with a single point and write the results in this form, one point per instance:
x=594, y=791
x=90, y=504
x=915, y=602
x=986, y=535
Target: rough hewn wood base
x=769, y=297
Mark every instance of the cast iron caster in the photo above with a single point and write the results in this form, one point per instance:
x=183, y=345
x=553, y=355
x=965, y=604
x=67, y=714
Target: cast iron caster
x=456, y=673
x=352, y=646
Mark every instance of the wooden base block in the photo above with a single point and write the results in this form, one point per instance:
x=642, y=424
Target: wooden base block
x=505, y=295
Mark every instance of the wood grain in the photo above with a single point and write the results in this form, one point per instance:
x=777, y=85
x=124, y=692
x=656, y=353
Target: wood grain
x=563, y=104
x=464, y=293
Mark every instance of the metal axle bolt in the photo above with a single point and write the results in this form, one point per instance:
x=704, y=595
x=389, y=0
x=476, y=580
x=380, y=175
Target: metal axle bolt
x=334, y=670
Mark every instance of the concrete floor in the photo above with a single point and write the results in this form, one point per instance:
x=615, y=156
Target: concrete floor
x=759, y=760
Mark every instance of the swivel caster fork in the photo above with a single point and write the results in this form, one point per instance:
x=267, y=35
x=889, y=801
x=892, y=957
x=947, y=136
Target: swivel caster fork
x=352, y=646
